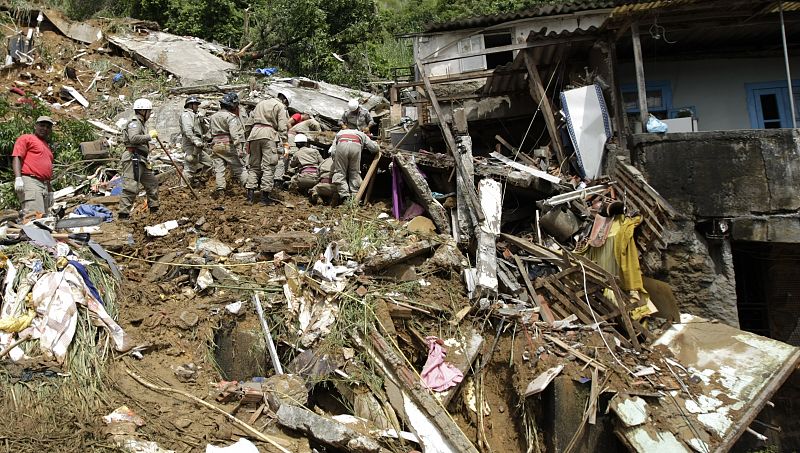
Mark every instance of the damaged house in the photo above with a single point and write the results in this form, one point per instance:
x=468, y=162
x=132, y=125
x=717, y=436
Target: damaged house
x=554, y=102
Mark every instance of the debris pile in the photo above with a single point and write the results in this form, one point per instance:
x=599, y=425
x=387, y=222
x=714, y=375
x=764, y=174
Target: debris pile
x=494, y=302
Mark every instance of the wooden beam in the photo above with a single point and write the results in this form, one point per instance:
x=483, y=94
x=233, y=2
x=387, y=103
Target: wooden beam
x=539, y=96
x=640, y=81
x=461, y=77
x=420, y=187
x=469, y=183
x=369, y=177
x=509, y=48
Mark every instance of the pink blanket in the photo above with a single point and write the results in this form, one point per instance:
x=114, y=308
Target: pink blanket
x=437, y=374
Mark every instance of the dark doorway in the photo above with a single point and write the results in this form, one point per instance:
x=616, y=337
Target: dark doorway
x=494, y=60
x=768, y=289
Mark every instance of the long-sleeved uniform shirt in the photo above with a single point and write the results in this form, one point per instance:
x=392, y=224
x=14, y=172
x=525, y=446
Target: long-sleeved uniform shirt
x=226, y=123
x=191, y=132
x=270, y=121
x=135, y=136
x=305, y=157
x=357, y=119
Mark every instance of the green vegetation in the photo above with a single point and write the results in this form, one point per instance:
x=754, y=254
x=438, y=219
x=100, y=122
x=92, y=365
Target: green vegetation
x=349, y=42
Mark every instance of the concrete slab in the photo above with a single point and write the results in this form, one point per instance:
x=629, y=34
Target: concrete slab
x=192, y=60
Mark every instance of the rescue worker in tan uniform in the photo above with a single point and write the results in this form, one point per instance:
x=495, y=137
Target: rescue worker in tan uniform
x=356, y=117
x=227, y=142
x=135, y=167
x=270, y=127
x=325, y=190
x=197, y=159
x=306, y=124
x=304, y=166
x=346, y=152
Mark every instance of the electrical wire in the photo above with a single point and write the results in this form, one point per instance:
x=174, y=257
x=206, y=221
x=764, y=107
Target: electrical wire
x=597, y=325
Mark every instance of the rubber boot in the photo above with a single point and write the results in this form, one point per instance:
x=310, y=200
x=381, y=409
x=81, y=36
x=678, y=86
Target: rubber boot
x=266, y=200
x=251, y=195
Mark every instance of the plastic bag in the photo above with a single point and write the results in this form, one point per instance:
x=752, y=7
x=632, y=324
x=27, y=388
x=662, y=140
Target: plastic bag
x=656, y=125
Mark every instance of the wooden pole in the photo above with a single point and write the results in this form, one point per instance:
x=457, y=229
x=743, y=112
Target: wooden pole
x=368, y=178
x=472, y=195
x=640, y=82
x=539, y=96
x=254, y=432
x=178, y=169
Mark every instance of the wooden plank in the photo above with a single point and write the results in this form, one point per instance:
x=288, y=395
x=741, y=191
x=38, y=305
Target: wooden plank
x=640, y=80
x=571, y=308
x=579, y=355
x=539, y=96
x=527, y=279
x=289, y=242
x=368, y=178
x=397, y=372
x=420, y=187
x=486, y=253
x=517, y=153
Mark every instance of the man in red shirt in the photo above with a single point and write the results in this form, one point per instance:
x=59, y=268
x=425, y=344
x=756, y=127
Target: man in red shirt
x=32, y=161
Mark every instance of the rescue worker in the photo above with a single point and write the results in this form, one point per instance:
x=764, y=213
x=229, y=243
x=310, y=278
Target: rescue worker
x=32, y=162
x=227, y=143
x=306, y=124
x=356, y=117
x=135, y=167
x=197, y=159
x=325, y=191
x=304, y=165
x=346, y=151
x=270, y=127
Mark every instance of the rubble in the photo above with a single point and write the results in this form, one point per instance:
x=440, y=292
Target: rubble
x=515, y=281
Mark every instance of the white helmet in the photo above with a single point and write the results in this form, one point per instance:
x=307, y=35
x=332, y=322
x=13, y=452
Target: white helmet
x=142, y=104
x=300, y=138
x=353, y=104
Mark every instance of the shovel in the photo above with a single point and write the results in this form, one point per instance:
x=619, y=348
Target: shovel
x=78, y=222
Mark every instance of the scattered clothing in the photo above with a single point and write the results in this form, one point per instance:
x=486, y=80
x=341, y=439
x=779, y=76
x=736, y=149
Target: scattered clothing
x=55, y=297
x=437, y=374
x=94, y=210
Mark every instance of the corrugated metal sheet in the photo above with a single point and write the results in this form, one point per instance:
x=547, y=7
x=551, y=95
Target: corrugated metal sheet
x=549, y=10
x=787, y=6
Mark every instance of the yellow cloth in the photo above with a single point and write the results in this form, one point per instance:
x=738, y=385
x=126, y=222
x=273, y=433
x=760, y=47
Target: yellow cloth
x=628, y=256
x=17, y=324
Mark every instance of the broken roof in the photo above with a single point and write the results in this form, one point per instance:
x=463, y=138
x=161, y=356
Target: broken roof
x=615, y=7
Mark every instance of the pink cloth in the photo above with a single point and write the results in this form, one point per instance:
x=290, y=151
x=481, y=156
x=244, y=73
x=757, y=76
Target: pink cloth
x=437, y=374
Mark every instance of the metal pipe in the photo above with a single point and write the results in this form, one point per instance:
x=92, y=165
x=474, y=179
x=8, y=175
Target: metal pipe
x=273, y=353
x=788, y=71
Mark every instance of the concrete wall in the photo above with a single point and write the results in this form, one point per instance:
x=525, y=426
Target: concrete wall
x=748, y=177
x=745, y=174
x=715, y=87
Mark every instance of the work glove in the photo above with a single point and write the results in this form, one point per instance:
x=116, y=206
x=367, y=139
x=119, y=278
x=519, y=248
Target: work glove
x=153, y=133
x=198, y=144
x=285, y=150
x=242, y=152
x=19, y=186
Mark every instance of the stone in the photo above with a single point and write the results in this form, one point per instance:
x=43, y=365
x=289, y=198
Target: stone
x=326, y=431
x=183, y=423
x=448, y=257
x=401, y=272
x=421, y=224
x=283, y=389
x=187, y=320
